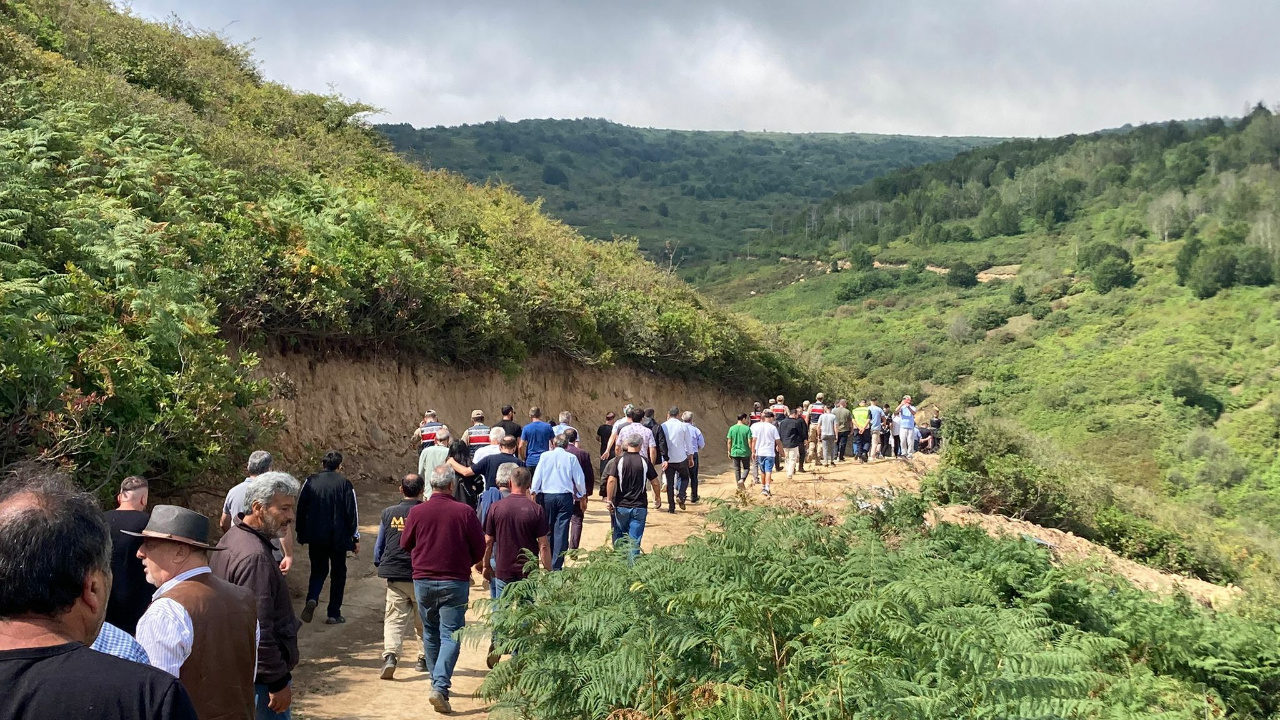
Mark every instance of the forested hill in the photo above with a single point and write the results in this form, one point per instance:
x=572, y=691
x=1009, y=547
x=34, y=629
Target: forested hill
x=158, y=196
x=705, y=193
x=1103, y=306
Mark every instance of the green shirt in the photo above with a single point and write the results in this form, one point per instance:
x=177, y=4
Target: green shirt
x=842, y=419
x=739, y=435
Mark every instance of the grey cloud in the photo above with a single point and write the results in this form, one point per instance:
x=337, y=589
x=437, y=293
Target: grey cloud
x=1004, y=67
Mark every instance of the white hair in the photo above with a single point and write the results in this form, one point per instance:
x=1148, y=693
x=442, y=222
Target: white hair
x=687, y=416
x=262, y=490
x=443, y=436
x=442, y=477
x=565, y=417
x=496, y=435
x=505, y=471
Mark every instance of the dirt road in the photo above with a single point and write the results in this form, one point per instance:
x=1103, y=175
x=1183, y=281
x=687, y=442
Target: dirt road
x=338, y=675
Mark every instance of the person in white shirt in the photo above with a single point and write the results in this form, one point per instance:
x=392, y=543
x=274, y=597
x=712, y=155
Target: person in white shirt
x=565, y=418
x=198, y=628
x=558, y=483
x=484, y=451
x=766, y=443
x=695, y=460
x=677, y=451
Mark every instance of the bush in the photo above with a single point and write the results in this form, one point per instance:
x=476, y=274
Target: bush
x=1213, y=270
x=554, y=175
x=1187, y=254
x=1041, y=310
x=1111, y=273
x=1183, y=381
x=988, y=317
x=860, y=258
x=962, y=275
x=1254, y=266
x=1095, y=252
x=1017, y=295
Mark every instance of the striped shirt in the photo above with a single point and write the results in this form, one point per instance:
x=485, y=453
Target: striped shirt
x=779, y=410
x=755, y=417
x=165, y=630
x=815, y=411
x=477, y=436
x=114, y=641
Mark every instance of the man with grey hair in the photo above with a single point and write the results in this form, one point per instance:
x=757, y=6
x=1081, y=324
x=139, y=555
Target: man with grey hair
x=234, y=506
x=698, y=441
x=558, y=483
x=444, y=540
x=496, y=434
x=130, y=591
x=434, y=456
x=246, y=559
x=566, y=417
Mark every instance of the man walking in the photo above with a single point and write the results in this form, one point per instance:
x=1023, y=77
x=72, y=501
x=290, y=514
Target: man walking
x=233, y=507
x=246, y=559
x=558, y=483
x=54, y=584
x=844, y=428
x=628, y=477
x=436, y=454
x=862, y=430
x=514, y=527
x=738, y=445
x=535, y=439
x=130, y=591
x=697, y=441
x=508, y=422
x=444, y=540
x=329, y=524
x=487, y=467
x=792, y=432
x=400, y=612
x=813, y=412
x=676, y=449
x=477, y=436
x=877, y=428
x=589, y=474
x=827, y=430
x=603, y=433
x=427, y=429
x=765, y=445
x=199, y=628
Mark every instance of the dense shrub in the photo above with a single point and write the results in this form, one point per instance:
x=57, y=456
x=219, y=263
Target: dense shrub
x=1110, y=273
x=962, y=275
x=1213, y=270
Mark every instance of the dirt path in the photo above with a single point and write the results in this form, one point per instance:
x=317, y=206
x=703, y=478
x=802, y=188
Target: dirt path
x=338, y=675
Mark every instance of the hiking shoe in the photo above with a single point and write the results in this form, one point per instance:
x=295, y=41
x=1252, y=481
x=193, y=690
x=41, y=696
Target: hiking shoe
x=335, y=620
x=421, y=665
x=388, y=666
x=309, y=611
x=439, y=702
x=493, y=657
x=766, y=492
x=680, y=502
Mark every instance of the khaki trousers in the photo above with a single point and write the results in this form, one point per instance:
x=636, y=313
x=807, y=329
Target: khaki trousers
x=793, y=459
x=400, y=618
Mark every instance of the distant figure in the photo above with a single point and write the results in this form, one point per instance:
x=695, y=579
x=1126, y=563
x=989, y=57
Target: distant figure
x=589, y=478
x=425, y=435
x=477, y=436
x=827, y=431
x=329, y=525
x=558, y=483
x=845, y=430
x=877, y=429
x=603, y=433
x=468, y=487
x=792, y=432
x=234, y=507
x=508, y=422
x=699, y=441
x=487, y=467
x=756, y=414
x=614, y=447
x=765, y=444
x=535, y=438
x=400, y=616
x=738, y=445
x=862, y=430
x=130, y=591
x=907, y=427
x=636, y=427
x=246, y=559
x=566, y=417
x=52, y=606
x=444, y=540
x=435, y=455
x=675, y=449
x=496, y=433
x=200, y=628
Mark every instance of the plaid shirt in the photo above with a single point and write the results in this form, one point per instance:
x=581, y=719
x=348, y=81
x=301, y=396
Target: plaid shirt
x=114, y=641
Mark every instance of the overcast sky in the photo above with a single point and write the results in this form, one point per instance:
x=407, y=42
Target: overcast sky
x=944, y=67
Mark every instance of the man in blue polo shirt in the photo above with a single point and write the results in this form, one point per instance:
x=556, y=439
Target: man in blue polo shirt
x=535, y=438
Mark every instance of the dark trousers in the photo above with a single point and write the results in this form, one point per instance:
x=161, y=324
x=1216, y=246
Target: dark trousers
x=741, y=469
x=326, y=560
x=676, y=472
x=575, y=526
x=693, y=478
x=559, y=510
x=842, y=440
x=804, y=450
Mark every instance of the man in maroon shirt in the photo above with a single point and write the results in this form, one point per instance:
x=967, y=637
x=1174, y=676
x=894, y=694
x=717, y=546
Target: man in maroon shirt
x=589, y=474
x=514, y=527
x=444, y=540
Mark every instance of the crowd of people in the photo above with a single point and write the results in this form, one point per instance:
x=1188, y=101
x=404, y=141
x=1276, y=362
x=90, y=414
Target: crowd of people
x=171, y=625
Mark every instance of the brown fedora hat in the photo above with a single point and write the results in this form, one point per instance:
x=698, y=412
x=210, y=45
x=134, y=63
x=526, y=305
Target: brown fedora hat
x=177, y=524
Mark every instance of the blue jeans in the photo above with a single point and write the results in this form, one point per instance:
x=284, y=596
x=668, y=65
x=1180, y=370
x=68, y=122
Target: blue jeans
x=443, y=607
x=629, y=522
x=559, y=510
x=261, y=697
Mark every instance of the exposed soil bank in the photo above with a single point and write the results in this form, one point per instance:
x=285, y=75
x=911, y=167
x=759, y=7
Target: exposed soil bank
x=368, y=408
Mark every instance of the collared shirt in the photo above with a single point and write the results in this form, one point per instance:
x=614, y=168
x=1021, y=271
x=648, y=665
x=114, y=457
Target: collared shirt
x=679, y=440
x=699, y=441
x=165, y=630
x=559, y=472
x=429, y=459
x=483, y=452
x=114, y=641
x=635, y=428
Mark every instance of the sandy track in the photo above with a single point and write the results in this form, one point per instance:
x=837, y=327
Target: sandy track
x=338, y=675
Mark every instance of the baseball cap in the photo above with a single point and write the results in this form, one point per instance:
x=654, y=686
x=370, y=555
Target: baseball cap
x=610, y=415
x=477, y=414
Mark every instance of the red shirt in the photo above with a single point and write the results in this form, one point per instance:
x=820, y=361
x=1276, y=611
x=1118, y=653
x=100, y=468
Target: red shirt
x=756, y=417
x=779, y=410
x=444, y=539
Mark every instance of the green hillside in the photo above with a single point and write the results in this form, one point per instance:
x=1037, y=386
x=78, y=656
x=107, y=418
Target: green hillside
x=1123, y=372
x=159, y=198
x=687, y=196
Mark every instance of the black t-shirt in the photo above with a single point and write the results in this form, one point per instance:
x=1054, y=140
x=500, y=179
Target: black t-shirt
x=604, y=432
x=633, y=479
x=72, y=681
x=488, y=467
x=793, y=431
x=515, y=523
x=130, y=591
x=511, y=426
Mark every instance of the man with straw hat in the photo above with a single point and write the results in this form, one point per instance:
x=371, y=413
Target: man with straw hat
x=199, y=628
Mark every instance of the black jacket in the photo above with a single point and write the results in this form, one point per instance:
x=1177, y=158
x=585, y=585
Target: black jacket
x=391, y=559
x=794, y=432
x=327, y=512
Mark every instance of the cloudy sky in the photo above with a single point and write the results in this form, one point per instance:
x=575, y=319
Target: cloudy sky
x=943, y=67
